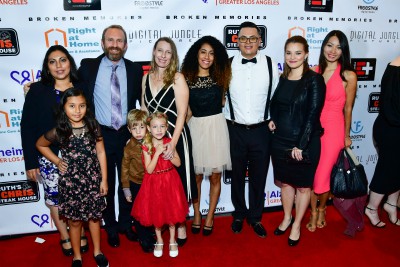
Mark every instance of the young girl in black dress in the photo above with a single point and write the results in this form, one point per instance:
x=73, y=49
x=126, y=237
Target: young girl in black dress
x=83, y=168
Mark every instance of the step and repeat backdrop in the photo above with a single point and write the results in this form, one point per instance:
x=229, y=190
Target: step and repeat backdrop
x=29, y=27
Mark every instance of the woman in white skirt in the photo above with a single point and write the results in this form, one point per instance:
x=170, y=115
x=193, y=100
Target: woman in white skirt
x=207, y=70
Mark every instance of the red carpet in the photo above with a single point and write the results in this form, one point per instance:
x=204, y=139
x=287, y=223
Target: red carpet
x=325, y=247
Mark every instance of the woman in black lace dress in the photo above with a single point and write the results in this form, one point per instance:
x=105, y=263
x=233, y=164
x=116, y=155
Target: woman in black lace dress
x=164, y=89
x=207, y=70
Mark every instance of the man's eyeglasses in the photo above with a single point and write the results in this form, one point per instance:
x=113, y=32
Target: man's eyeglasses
x=252, y=39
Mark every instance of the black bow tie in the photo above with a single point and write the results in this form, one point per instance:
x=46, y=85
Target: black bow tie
x=253, y=60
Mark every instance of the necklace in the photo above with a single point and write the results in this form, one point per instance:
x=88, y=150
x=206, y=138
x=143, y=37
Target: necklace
x=77, y=134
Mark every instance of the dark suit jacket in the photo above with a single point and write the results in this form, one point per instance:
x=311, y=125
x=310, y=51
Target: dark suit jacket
x=88, y=73
x=305, y=109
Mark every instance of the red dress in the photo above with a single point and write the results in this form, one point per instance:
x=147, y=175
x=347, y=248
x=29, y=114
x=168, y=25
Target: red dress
x=161, y=199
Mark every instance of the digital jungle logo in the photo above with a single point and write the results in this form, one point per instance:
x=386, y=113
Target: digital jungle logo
x=82, y=4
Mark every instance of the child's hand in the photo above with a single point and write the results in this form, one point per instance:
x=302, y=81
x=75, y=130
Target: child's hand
x=62, y=166
x=103, y=188
x=129, y=199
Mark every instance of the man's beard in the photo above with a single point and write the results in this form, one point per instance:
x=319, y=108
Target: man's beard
x=112, y=54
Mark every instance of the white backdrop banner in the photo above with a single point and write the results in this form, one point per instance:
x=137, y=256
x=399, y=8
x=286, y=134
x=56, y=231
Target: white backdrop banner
x=29, y=27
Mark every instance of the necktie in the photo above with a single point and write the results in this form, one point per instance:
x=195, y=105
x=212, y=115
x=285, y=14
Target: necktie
x=116, y=110
x=253, y=60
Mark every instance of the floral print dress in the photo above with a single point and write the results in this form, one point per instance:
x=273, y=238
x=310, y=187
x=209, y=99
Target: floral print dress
x=79, y=186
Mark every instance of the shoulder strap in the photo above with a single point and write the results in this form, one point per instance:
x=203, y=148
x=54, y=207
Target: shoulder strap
x=269, y=61
x=229, y=98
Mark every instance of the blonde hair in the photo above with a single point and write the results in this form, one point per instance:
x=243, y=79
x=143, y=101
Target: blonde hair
x=135, y=116
x=148, y=138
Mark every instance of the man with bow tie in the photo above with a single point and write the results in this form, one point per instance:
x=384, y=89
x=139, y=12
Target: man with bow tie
x=254, y=79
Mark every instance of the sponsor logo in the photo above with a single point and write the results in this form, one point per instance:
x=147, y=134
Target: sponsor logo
x=11, y=155
x=83, y=18
x=393, y=20
x=330, y=19
x=148, y=4
x=76, y=40
x=9, y=45
x=145, y=66
x=313, y=35
x=247, y=2
x=13, y=2
x=272, y=197
x=18, y=192
x=10, y=121
x=318, y=5
x=373, y=102
x=41, y=219
x=371, y=159
x=365, y=68
x=367, y=9
x=24, y=76
x=374, y=36
x=356, y=131
x=231, y=35
x=82, y=4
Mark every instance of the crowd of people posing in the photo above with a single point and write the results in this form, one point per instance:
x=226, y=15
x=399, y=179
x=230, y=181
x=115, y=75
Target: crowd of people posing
x=81, y=132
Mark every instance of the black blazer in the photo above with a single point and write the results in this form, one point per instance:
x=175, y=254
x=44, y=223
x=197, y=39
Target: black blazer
x=38, y=117
x=88, y=73
x=305, y=109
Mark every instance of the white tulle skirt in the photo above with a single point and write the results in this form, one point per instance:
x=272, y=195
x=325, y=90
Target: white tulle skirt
x=210, y=142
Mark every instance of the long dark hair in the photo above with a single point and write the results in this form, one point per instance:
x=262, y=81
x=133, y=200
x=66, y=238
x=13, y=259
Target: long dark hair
x=46, y=77
x=300, y=40
x=344, y=60
x=220, y=70
x=64, y=127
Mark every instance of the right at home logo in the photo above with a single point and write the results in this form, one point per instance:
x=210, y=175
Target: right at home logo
x=9, y=45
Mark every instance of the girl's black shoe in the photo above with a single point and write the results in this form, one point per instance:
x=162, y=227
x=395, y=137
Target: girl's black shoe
x=85, y=248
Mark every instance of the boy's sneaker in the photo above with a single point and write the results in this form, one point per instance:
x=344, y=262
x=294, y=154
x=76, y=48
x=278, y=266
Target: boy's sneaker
x=101, y=260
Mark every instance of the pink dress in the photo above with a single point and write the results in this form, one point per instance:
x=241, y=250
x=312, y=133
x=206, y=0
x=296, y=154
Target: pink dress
x=332, y=120
x=161, y=199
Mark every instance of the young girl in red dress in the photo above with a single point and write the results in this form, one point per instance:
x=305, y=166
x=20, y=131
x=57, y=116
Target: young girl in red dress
x=161, y=199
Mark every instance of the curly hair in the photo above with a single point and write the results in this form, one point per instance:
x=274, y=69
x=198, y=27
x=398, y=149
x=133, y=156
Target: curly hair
x=220, y=70
x=63, y=124
x=46, y=77
x=296, y=40
x=148, y=138
x=172, y=68
x=344, y=60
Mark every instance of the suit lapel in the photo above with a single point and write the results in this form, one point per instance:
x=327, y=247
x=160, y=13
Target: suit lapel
x=129, y=82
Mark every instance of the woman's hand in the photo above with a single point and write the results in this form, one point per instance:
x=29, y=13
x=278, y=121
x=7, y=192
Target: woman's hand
x=271, y=126
x=32, y=174
x=160, y=148
x=297, y=153
x=347, y=141
x=27, y=86
x=169, y=151
x=103, y=188
x=62, y=166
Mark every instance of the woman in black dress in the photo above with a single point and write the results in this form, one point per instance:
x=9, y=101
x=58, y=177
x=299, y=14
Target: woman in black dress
x=164, y=89
x=207, y=70
x=386, y=179
x=295, y=111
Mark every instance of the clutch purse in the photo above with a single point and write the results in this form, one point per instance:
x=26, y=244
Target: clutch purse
x=290, y=160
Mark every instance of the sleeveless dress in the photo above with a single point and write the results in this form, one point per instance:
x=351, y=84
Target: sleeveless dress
x=210, y=137
x=161, y=199
x=79, y=186
x=332, y=120
x=164, y=102
x=386, y=132
x=283, y=139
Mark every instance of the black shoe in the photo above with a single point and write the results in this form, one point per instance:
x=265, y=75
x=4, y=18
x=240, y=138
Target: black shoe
x=131, y=235
x=181, y=241
x=66, y=251
x=76, y=263
x=293, y=243
x=237, y=226
x=147, y=245
x=281, y=232
x=101, y=260
x=85, y=248
x=113, y=240
x=207, y=230
x=259, y=229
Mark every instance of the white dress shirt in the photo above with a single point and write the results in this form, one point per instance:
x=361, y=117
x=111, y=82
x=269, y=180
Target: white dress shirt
x=249, y=89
